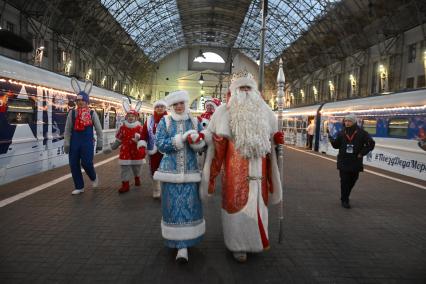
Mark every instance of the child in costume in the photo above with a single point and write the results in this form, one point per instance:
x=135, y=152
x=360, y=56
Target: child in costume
x=127, y=138
x=78, y=137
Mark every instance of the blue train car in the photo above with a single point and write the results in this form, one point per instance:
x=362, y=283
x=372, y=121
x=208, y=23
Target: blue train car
x=397, y=122
x=33, y=108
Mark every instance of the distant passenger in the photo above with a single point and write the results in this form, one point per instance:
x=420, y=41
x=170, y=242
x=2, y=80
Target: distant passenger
x=310, y=133
x=148, y=141
x=179, y=137
x=78, y=137
x=353, y=143
x=131, y=152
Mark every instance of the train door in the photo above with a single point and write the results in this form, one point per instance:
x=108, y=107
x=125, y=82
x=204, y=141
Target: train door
x=309, y=121
x=323, y=135
x=300, y=132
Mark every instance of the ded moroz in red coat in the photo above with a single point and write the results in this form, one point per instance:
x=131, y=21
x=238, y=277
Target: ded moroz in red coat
x=129, y=154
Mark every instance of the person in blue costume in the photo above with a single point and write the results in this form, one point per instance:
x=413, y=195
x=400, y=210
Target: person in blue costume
x=78, y=138
x=179, y=137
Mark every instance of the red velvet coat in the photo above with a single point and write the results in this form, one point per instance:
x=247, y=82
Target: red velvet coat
x=155, y=156
x=129, y=154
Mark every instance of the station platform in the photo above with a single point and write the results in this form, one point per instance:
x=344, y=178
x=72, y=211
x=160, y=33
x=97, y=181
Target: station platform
x=49, y=236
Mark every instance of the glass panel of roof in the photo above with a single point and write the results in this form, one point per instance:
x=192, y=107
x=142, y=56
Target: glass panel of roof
x=285, y=22
x=154, y=25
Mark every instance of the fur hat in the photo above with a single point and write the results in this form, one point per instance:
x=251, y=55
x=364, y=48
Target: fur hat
x=350, y=117
x=242, y=78
x=159, y=103
x=215, y=102
x=176, y=97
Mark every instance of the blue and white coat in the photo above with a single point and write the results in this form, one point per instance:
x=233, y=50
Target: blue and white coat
x=183, y=224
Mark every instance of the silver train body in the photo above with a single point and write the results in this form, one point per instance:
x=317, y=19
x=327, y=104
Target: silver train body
x=396, y=121
x=33, y=108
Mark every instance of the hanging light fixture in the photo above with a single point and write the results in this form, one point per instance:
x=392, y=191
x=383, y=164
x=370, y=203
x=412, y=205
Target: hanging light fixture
x=201, y=80
x=201, y=54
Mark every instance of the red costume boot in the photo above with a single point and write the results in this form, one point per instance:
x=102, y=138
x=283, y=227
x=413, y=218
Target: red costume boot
x=137, y=181
x=125, y=187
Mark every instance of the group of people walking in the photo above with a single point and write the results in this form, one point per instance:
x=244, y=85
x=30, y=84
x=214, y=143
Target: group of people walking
x=234, y=139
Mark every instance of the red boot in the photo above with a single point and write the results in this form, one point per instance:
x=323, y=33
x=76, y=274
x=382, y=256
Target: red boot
x=125, y=187
x=137, y=181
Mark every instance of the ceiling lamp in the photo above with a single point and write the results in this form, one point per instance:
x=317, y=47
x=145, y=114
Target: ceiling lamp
x=201, y=80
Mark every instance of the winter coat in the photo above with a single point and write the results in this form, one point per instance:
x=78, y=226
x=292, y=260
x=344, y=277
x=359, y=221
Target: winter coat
x=362, y=144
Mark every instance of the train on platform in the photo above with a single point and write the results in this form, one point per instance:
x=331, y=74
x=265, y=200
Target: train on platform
x=396, y=121
x=34, y=104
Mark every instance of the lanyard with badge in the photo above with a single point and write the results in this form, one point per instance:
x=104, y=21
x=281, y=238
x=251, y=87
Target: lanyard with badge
x=350, y=146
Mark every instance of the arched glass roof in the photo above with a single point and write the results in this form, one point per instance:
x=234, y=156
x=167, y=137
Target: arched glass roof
x=161, y=27
x=286, y=21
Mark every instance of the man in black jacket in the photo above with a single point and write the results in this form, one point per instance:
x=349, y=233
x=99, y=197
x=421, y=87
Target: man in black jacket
x=353, y=143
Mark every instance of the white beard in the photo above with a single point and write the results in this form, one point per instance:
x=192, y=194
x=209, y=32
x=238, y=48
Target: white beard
x=249, y=124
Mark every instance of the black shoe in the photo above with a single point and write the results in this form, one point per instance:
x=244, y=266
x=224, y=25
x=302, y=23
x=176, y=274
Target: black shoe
x=345, y=204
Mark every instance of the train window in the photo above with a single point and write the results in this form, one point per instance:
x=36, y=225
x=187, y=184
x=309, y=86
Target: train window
x=398, y=127
x=20, y=111
x=100, y=113
x=369, y=125
x=299, y=126
x=291, y=123
x=112, y=118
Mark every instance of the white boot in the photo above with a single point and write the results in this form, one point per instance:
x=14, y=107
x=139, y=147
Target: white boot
x=95, y=183
x=182, y=255
x=240, y=256
x=156, y=191
x=77, y=191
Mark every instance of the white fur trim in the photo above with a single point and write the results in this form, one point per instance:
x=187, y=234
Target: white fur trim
x=219, y=122
x=176, y=177
x=141, y=143
x=189, y=132
x=129, y=162
x=179, y=117
x=208, y=137
x=205, y=177
x=177, y=141
x=153, y=151
x=131, y=125
x=159, y=103
x=198, y=147
x=242, y=82
x=182, y=232
x=176, y=97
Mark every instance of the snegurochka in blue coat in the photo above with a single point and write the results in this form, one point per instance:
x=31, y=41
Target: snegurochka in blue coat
x=179, y=137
